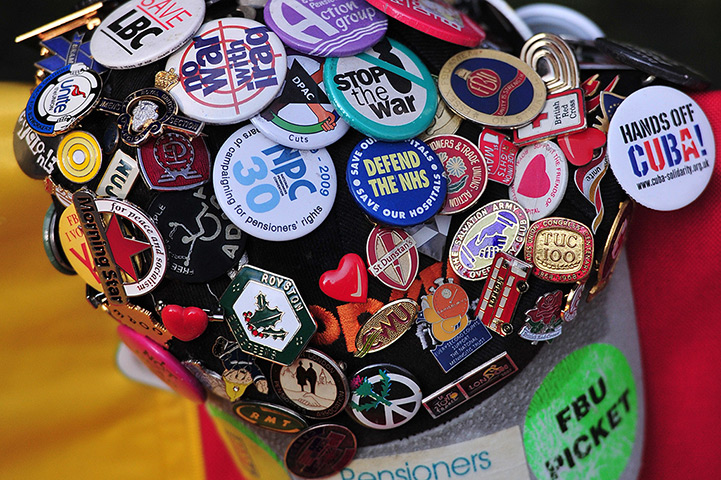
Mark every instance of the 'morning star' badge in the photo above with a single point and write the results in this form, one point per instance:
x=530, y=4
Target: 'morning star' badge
x=267, y=315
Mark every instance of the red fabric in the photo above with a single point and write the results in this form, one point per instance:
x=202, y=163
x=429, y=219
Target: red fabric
x=218, y=463
x=674, y=259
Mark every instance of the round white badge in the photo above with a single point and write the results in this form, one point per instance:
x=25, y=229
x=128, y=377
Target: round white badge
x=233, y=69
x=661, y=148
x=302, y=116
x=541, y=179
x=143, y=31
x=270, y=191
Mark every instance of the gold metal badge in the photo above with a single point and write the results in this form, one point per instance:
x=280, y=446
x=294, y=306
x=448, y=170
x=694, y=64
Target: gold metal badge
x=560, y=249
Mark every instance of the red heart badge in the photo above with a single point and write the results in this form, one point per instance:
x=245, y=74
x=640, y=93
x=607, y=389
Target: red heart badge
x=578, y=147
x=535, y=182
x=349, y=282
x=185, y=324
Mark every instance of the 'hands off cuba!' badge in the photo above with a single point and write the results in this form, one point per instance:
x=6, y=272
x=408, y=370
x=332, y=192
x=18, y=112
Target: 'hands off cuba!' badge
x=270, y=191
x=398, y=184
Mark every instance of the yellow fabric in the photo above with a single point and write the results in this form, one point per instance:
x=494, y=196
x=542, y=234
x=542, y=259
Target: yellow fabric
x=66, y=412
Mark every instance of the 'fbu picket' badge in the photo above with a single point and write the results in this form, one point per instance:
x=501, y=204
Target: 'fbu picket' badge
x=385, y=92
x=233, y=69
x=661, y=148
x=270, y=191
x=397, y=184
x=143, y=31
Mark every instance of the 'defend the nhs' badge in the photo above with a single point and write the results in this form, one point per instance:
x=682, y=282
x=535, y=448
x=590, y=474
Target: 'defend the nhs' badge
x=270, y=191
x=233, y=69
x=267, y=315
x=492, y=88
x=63, y=99
x=397, y=184
x=385, y=92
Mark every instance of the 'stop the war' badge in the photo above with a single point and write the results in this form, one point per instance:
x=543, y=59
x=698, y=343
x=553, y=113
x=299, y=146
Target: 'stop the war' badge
x=385, y=92
x=335, y=28
x=63, y=99
x=267, y=315
x=492, y=88
x=233, y=69
x=143, y=31
x=661, y=148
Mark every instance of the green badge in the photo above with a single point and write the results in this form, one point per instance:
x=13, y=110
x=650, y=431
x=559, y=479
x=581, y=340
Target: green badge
x=267, y=315
x=582, y=420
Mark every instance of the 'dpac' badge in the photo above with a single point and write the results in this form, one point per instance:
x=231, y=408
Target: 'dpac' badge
x=233, y=69
x=143, y=31
x=385, y=92
x=271, y=191
x=335, y=28
x=397, y=184
x=492, y=88
x=661, y=148
x=302, y=116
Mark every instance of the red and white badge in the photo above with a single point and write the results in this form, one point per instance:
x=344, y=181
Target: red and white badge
x=436, y=18
x=465, y=169
x=173, y=161
x=233, y=69
x=541, y=179
x=392, y=257
x=143, y=31
x=500, y=154
x=563, y=113
x=661, y=148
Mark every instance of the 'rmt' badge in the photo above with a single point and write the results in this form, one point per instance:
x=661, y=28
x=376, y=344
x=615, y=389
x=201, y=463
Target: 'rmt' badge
x=267, y=315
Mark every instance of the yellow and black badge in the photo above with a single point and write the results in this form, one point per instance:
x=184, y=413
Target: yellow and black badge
x=492, y=88
x=79, y=156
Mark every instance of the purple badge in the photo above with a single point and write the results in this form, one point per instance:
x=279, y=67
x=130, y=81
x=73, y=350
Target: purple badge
x=335, y=28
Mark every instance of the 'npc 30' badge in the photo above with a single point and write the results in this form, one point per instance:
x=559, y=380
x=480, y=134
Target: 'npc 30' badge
x=233, y=68
x=270, y=191
x=398, y=184
x=267, y=315
x=63, y=99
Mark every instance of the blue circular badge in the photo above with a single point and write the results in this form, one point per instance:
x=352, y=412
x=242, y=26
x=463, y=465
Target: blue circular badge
x=398, y=184
x=385, y=92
